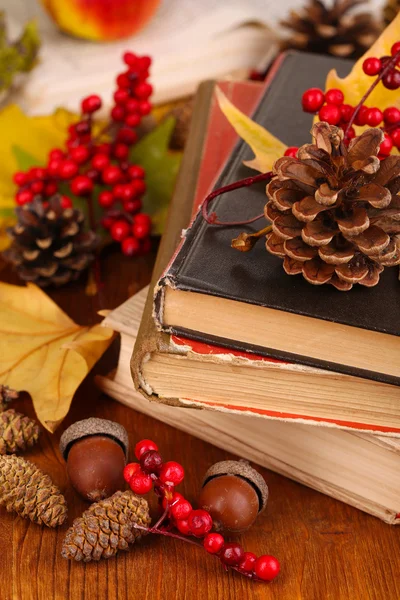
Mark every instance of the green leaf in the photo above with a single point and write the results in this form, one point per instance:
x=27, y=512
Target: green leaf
x=24, y=159
x=161, y=166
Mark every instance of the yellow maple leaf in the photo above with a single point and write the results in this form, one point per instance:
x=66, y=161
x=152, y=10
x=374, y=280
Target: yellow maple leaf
x=43, y=352
x=36, y=136
x=266, y=147
x=355, y=85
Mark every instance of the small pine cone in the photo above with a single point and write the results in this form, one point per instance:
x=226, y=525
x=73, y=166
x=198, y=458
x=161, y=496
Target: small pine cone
x=335, y=211
x=17, y=432
x=50, y=244
x=7, y=395
x=30, y=493
x=106, y=527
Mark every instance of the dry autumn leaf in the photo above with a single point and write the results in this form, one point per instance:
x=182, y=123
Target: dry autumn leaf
x=43, y=352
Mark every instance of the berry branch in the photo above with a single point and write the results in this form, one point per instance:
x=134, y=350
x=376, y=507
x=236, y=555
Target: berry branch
x=151, y=472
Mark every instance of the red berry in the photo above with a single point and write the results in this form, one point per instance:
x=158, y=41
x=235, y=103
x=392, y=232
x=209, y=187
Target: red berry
x=181, y=510
x=247, y=563
x=395, y=50
x=68, y=169
x=130, y=59
x=121, y=96
x=136, y=172
x=330, y=113
x=19, y=178
x=38, y=173
x=213, y=542
x=150, y=461
x=200, y=522
x=121, y=151
x=143, y=90
x=172, y=472
x=386, y=146
x=140, y=483
x=53, y=167
x=56, y=154
x=183, y=527
x=391, y=115
x=350, y=134
x=374, y=117
x=145, y=107
x=118, y=113
x=50, y=189
x=91, y=104
x=81, y=185
x=266, y=567
x=79, y=154
x=291, y=151
x=130, y=470
x=145, y=246
x=130, y=246
x=24, y=197
x=144, y=446
x=132, y=106
x=107, y=222
x=361, y=117
x=334, y=96
x=144, y=62
x=37, y=187
x=127, y=136
x=127, y=192
x=176, y=497
x=372, y=66
x=120, y=230
x=82, y=128
x=100, y=161
x=346, y=112
x=232, y=554
x=395, y=135
x=123, y=81
x=133, y=206
x=140, y=230
x=106, y=199
x=312, y=100
x=391, y=80
x=118, y=191
x=66, y=202
x=139, y=186
x=132, y=120
x=104, y=148
x=144, y=220
x=111, y=175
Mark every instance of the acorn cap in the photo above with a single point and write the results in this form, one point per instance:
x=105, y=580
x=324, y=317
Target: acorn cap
x=242, y=469
x=90, y=427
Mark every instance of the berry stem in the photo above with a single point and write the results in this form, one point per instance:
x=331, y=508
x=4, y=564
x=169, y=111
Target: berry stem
x=392, y=63
x=248, y=181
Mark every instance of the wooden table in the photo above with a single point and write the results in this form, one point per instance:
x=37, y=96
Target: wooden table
x=328, y=551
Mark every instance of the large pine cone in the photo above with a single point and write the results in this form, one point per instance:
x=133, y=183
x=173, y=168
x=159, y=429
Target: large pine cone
x=7, y=395
x=50, y=244
x=106, y=527
x=335, y=211
x=17, y=432
x=30, y=493
x=327, y=28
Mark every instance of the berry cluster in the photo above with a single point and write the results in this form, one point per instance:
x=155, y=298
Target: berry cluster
x=331, y=106
x=151, y=472
x=90, y=162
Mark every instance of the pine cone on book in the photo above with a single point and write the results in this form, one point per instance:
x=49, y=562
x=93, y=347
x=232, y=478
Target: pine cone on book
x=106, y=527
x=17, y=432
x=30, y=493
x=327, y=28
x=50, y=245
x=7, y=395
x=335, y=211
x=390, y=10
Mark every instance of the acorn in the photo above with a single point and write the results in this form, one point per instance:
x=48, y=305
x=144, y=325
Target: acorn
x=96, y=451
x=234, y=494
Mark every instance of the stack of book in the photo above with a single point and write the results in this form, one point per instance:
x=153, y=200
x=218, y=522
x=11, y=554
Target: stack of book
x=299, y=379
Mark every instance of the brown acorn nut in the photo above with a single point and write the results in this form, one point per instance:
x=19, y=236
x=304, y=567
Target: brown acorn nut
x=234, y=494
x=96, y=451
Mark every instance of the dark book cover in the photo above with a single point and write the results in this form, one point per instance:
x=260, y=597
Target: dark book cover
x=207, y=264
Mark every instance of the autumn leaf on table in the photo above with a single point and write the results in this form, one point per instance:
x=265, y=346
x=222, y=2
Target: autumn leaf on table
x=161, y=166
x=43, y=352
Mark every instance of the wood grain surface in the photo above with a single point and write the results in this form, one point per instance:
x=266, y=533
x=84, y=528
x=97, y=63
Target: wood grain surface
x=328, y=550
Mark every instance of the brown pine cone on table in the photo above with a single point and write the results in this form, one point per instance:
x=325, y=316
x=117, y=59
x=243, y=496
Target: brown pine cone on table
x=7, y=395
x=106, y=527
x=17, y=432
x=27, y=491
x=327, y=27
x=335, y=211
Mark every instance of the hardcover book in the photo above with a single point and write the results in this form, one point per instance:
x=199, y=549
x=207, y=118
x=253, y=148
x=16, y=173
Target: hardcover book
x=246, y=302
